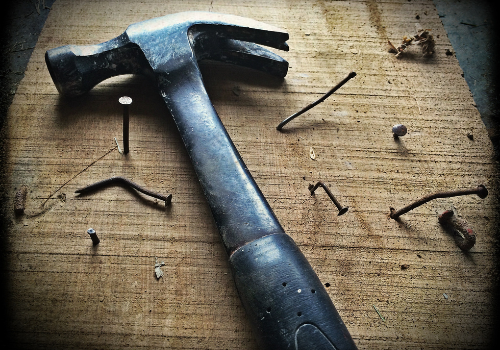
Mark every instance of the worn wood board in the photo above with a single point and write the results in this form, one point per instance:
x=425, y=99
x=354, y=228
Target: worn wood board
x=67, y=294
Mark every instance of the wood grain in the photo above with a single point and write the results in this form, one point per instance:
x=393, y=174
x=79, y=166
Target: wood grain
x=67, y=294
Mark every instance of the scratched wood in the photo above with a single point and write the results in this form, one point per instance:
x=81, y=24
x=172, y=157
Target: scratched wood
x=67, y=294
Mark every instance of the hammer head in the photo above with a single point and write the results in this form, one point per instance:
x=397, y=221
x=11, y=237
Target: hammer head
x=165, y=45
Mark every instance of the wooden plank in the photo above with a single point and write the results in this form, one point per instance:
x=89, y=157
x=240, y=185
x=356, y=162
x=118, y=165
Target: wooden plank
x=67, y=294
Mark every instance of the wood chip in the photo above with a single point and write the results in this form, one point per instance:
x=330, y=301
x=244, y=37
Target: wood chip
x=312, y=154
x=158, y=270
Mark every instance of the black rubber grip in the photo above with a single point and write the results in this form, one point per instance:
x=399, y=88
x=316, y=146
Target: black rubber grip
x=284, y=298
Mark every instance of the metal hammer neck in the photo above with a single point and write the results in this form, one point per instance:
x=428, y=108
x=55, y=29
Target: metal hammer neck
x=241, y=212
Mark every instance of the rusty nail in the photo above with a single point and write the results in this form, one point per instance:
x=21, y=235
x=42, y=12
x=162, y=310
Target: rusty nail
x=20, y=200
x=321, y=99
x=93, y=236
x=125, y=101
x=399, y=130
x=342, y=210
x=481, y=191
x=466, y=237
x=124, y=181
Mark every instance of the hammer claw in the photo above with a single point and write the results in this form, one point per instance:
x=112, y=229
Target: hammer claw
x=243, y=54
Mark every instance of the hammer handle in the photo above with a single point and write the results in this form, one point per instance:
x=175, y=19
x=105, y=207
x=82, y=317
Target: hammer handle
x=284, y=298
x=282, y=295
x=239, y=208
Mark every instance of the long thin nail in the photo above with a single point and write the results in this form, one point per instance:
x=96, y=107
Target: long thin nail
x=467, y=237
x=125, y=101
x=481, y=191
x=321, y=99
x=342, y=210
x=123, y=181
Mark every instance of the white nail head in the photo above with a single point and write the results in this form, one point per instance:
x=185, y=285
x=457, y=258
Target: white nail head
x=125, y=100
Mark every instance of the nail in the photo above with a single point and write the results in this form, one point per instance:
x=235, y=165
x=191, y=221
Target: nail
x=321, y=99
x=93, y=236
x=123, y=181
x=466, y=238
x=125, y=101
x=342, y=210
x=20, y=200
x=481, y=191
x=399, y=130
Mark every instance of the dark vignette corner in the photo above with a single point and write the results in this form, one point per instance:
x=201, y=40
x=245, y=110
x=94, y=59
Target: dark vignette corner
x=21, y=22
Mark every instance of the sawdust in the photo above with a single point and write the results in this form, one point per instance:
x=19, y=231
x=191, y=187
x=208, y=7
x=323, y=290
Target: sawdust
x=423, y=38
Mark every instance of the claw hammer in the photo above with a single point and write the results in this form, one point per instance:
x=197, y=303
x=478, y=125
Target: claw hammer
x=282, y=295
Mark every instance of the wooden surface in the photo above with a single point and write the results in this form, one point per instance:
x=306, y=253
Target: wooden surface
x=67, y=294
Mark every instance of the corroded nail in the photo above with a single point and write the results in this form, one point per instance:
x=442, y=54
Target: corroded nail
x=466, y=237
x=481, y=191
x=342, y=210
x=125, y=101
x=119, y=180
x=93, y=236
x=20, y=200
x=321, y=99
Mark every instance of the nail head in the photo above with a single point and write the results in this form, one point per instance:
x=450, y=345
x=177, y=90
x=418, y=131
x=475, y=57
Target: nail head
x=399, y=130
x=125, y=100
x=343, y=211
x=483, y=192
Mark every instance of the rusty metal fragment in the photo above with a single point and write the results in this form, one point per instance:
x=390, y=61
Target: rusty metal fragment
x=465, y=237
x=20, y=200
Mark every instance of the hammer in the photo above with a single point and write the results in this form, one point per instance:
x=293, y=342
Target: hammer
x=282, y=295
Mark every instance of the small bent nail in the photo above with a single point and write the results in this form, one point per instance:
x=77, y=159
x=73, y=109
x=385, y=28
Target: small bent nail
x=342, y=210
x=321, y=99
x=124, y=181
x=93, y=236
x=481, y=191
